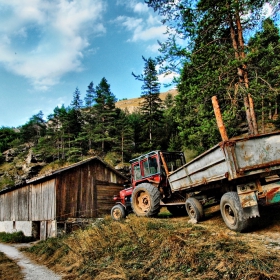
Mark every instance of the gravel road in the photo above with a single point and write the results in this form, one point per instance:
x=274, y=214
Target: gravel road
x=31, y=270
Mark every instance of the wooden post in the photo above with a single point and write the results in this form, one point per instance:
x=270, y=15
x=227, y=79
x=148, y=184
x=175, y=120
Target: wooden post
x=253, y=116
x=219, y=119
x=248, y=115
x=164, y=164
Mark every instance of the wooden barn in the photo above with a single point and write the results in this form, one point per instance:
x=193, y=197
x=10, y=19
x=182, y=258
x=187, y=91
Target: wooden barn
x=44, y=206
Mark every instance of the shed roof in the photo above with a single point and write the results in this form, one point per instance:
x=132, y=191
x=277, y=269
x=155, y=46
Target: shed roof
x=61, y=170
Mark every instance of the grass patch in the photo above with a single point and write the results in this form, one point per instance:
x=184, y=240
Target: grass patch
x=51, y=167
x=6, y=166
x=15, y=237
x=147, y=248
x=52, y=250
x=5, y=182
x=9, y=270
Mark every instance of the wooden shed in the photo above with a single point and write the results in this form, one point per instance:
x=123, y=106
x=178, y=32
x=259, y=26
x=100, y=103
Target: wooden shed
x=43, y=206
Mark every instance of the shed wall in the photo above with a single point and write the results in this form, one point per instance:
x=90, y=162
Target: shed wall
x=86, y=191
x=12, y=226
x=32, y=202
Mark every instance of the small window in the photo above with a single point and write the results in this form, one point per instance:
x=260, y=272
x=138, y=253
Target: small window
x=146, y=168
x=137, y=172
x=153, y=165
x=150, y=166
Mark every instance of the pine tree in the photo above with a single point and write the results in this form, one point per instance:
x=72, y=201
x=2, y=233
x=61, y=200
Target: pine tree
x=214, y=60
x=135, y=122
x=77, y=103
x=105, y=114
x=90, y=93
x=74, y=114
x=151, y=107
x=59, y=131
x=264, y=60
x=33, y=129
x=124, y=144
x=7, y=136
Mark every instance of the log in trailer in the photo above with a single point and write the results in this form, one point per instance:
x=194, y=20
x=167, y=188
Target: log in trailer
x=240, y=174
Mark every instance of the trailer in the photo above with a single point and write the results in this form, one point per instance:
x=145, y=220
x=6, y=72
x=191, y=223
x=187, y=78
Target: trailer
x=239, y=174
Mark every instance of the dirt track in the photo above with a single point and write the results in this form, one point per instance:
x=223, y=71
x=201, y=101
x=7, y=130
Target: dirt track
x=265, y=229
x=31, y=270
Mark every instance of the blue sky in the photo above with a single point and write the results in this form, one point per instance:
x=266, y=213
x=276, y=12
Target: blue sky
x=50, y=47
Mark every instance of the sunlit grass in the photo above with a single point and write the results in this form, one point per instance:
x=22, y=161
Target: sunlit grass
x=156, y=248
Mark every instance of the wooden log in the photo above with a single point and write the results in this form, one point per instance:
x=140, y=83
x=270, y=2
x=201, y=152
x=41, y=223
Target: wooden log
x=219, y=119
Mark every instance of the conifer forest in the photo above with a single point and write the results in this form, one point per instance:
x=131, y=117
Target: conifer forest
x=230, y=49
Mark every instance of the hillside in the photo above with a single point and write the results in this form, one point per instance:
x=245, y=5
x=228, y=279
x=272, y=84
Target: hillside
x=23, y=162
x=133, y=103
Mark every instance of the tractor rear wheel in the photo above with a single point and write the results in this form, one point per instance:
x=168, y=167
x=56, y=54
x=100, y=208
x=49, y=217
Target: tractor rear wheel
x=145, y=200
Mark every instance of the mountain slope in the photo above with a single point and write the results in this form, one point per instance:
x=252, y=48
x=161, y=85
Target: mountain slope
x=133, y=103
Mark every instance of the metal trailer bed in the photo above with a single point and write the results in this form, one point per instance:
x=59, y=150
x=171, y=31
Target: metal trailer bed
x=242, y=162
x=243, y=157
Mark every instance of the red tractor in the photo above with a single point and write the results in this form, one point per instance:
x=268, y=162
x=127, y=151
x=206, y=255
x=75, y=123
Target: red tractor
x=149, y=188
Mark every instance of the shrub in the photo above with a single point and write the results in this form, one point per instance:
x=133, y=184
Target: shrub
x=15, y=237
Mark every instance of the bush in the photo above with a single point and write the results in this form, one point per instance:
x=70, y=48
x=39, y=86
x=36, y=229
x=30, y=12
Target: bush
x=15, y=237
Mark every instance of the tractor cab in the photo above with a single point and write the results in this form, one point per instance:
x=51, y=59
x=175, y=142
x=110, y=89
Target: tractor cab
x=154, y=166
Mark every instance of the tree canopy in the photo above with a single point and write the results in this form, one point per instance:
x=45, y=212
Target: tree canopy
x=230, y=49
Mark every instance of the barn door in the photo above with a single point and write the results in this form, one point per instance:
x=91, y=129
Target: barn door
x=43, y=230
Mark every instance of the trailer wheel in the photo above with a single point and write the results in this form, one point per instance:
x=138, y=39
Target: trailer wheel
x=118, y=212
x=145, y=200
x=194, y=209
x=232, y=212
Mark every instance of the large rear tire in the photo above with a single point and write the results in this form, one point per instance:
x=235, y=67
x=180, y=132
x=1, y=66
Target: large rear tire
x=232, y=212
x=145, y=200
x=194, y=209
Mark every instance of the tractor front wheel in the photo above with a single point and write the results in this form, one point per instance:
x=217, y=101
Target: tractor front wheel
x=145, y=200
x=118, y=212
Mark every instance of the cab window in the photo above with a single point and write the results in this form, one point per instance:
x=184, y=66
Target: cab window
x=136, y=172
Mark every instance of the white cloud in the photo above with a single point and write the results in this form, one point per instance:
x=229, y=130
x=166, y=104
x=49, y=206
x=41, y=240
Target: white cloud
x=167, y=78
x=141, y=34
x=136, y=6
x=144, y=26
x=140, y=8
x=130, y=23
x=153, y=48
x=43, y=40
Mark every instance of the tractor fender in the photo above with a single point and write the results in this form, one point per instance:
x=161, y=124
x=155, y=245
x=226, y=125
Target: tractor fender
x=118, y=202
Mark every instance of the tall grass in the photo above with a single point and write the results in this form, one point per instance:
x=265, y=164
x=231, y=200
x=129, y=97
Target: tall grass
x=145, y=248
x=9, y=270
